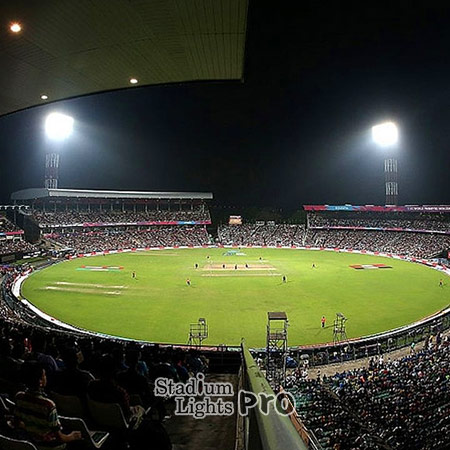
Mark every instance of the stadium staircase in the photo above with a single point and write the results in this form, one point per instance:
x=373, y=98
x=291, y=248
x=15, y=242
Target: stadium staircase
x=188, y=433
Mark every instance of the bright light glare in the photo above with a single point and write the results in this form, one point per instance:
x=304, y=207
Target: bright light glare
x=44, y=97
x=58, y=126
x=15, y=27
x=133, y=80
x=385, y=134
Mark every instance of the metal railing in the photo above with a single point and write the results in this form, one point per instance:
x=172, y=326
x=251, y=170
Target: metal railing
x=262, y=431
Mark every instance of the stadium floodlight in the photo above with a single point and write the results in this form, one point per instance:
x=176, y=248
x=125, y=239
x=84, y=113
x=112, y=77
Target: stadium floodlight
x=58, y=126
x=385, y=134
x=15, y=27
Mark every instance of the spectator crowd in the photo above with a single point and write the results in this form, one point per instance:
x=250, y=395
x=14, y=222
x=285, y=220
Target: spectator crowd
x=407, y=243
x=156, y=236
x=71, y=233
x=398, y=404
x=419, y=245
x=78, y=218
x=402, y=221
x=12, y=244
x=16, y=245
x=37, y=362
x=247, y=234
x=6, y=225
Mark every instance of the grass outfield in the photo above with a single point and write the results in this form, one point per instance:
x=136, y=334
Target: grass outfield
x=158, y=305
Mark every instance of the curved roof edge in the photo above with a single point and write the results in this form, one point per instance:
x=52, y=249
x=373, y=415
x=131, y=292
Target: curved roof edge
x=34, y=193
x=65, y=50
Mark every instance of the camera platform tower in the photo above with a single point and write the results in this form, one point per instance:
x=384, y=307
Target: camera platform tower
x=339, y=331
x=277, y=327
x=198, y=332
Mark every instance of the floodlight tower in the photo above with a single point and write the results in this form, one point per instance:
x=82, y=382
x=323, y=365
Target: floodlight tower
x=386, y=135
x=57, y=127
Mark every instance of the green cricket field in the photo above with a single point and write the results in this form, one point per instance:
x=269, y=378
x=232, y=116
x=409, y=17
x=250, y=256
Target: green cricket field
x=155, y=295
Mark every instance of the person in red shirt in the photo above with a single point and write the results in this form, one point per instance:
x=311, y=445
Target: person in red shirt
x=323, y=321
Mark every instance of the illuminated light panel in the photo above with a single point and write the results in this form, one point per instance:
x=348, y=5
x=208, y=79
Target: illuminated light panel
x=58, y=126
x=44, y=97
x=134, y=81
x=385, y=134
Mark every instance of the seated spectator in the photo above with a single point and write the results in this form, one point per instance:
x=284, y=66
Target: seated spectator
x=107, y=390
x=131, y=380
x=180, y=366
x=9, y=367
x=163, y=369
x=35, y=415
x=144, y=433
x=39, y=353
x=196, y=363
x=71, y=380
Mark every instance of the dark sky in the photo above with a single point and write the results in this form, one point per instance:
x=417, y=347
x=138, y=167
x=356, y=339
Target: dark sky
x=296, y=131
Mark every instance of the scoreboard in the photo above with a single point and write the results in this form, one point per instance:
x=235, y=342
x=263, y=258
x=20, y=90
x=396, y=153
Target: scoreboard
x=235, y=220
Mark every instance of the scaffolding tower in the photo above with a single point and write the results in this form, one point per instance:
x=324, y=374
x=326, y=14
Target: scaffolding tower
x=339, y=331
x=198, y=332
x=277, y=350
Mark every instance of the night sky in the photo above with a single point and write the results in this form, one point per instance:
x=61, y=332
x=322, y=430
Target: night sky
x=296, y=131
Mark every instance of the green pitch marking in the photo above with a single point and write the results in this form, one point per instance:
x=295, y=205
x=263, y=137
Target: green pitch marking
x=158, y=305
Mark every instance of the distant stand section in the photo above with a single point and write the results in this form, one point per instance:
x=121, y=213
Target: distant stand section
x=412, y=230
x=80, y=221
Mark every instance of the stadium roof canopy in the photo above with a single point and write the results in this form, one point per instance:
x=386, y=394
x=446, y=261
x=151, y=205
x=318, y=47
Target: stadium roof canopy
x=35, y=193
x=68, y=48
